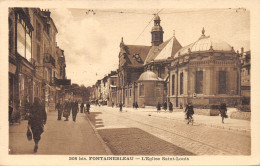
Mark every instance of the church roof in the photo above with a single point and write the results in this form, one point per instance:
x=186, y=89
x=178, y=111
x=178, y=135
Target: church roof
x=139, y=50
x=205, y=43
x=164, y=50
x=169, y=50
x=149, y=76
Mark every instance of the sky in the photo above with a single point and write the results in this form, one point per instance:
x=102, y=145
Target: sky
x=91, y=41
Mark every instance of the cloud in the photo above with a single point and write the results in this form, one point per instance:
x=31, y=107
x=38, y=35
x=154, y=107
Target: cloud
x=85, y=46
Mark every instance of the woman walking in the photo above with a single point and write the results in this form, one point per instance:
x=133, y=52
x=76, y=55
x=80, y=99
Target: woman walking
x=37, y=119
x=223, y=111
x=170, y=107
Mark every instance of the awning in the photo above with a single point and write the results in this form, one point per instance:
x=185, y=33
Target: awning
x=12, y=68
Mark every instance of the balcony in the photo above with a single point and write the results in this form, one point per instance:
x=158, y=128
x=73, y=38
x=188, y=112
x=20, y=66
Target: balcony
x=49, y=60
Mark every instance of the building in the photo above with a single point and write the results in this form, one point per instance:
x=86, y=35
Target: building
x=34, y=63
x=245, y=58
x=21, y=67
x=205, y=72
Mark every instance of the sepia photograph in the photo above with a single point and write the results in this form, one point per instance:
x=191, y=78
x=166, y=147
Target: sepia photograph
x=101, y=85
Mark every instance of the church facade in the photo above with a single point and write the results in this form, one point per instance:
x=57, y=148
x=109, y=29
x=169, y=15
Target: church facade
x=205, y=72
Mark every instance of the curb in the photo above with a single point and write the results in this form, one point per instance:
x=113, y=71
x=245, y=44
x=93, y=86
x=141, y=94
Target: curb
x=108, y=151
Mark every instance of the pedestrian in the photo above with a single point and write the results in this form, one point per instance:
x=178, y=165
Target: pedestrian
x=223, y=111
x=10, y=111
x=113, y=104
x=136, y=105
x=170, y=107
x=75, y=110
x=189, y=111
x=88, y=108
x=60, y=109
x=165, y=106
x=37, y=120
x=81, y=107
x=66, y=112
x=121, y=107
x=158, y=107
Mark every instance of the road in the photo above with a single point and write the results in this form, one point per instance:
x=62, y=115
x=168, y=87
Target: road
x=135, y=132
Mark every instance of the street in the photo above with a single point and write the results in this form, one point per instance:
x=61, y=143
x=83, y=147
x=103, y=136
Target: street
x=135, y=132
x=146, y=132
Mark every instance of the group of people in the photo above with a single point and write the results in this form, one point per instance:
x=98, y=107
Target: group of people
x=70, y=107
x=164, y=106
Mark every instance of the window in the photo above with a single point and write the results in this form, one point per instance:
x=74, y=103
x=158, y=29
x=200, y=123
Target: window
x=141, y=91
x=126, y=92
x=181, y=83
x=222, y=87
x=113, y=83
x=173, y=84
x=38, y=30
x=199, y=82
x=38, y=53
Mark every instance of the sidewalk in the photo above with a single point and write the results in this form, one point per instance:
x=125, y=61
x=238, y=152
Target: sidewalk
x=59, y=138
x=179, y=115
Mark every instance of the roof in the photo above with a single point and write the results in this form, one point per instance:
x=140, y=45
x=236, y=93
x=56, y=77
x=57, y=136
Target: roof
x=132, y=50
x=164, y=50
x=169, y=50
x=205, y=43
x=157, y=17
x=149, y=76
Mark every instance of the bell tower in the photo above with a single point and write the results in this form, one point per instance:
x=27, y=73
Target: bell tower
x=157, y=32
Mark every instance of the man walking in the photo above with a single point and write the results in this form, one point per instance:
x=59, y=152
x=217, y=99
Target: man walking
x=158, y=107
x=81, y=107
x=121, y=106
x=60, y=109
x=165, y=106
x=75, y=110
x=88, y=108
x=170, y=107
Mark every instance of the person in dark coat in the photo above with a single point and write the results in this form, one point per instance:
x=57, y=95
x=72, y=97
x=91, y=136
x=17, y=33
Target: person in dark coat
x=81, y=107
x=121, y=107
x=165, y=106
x=158, y=107
x=66, y=112
x=60, y=109
x=37, y=120
x=88, y=108
x=170, y=107
x=113, y=104
x=136, y=105
x=223, y=111
x=75, y=110
x=189, y=111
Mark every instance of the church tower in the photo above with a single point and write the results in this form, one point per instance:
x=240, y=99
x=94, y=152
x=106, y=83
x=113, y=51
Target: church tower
x=157, y=32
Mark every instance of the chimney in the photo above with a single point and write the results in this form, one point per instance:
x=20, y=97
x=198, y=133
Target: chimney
x=242, y=50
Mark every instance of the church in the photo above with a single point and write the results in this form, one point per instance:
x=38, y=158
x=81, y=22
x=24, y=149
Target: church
x=205, y=72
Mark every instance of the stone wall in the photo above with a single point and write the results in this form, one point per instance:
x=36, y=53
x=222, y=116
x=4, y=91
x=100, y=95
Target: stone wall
x=241, y=115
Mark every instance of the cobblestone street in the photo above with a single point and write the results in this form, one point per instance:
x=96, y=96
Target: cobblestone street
x=127, y=133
